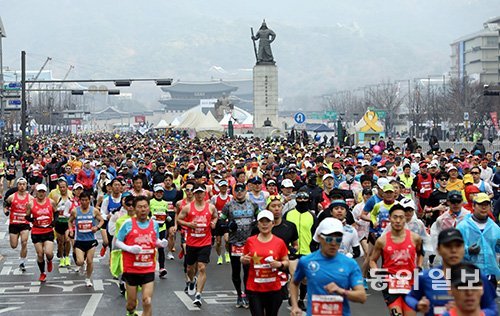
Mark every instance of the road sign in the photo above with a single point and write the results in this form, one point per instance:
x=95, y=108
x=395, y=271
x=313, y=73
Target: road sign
x=381, y=114
x=13, y=86
x=466, y=116
x=2, y=123
x=15, y=102
x=299, y=117
x=330, y=115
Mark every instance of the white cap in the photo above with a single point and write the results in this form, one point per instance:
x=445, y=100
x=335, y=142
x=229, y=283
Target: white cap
x=158, y=187
x=452, y=167
x=41, y=187
x=328, y=226
x=364, y=163
x=265, y=214
x=77, y=185
x=328, y=175
x=308, y=164
x=222, y=182
x=219, y=162
x=382, y=181
x=287, y=183
x=408, y=203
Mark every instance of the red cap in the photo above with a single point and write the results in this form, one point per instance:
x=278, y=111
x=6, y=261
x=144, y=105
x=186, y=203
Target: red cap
x=337, y=165
x=191, y=166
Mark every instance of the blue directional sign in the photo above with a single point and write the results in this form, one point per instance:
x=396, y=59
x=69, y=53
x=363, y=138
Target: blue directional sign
x=14, y=85
x=299, y=117
x=2, y=123
x=15, y=102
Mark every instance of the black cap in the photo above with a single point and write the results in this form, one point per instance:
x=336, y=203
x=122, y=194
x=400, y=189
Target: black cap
x=255, y=180
x=240, y=186
x=367, y=191
x=449, y=235
x=465, y=274
x=454, y=196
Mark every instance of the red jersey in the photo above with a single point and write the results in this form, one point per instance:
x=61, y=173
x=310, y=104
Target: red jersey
x=261, y=277
x=43, y=215
x=399, y=257
x=143, y=262
x=18, y=210
x=220, y=202
x=202, y=234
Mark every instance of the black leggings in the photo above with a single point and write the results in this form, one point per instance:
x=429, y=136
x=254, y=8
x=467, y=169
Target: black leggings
x=161, y=251
x=236, y=274
x=264, y=303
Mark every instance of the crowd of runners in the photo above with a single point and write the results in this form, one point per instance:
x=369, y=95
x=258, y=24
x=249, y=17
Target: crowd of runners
x=309, y=225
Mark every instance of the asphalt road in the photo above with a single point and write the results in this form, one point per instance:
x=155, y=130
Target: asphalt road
x=65, y=293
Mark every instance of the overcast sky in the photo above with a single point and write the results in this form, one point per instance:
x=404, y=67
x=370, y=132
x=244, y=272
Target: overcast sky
x=81, y=32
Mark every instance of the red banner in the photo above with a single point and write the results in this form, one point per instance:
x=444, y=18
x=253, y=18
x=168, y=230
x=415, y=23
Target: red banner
x=494, y=119
x=140, y=119
x=76, y=122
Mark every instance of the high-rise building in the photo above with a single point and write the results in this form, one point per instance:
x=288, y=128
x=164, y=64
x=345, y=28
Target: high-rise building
x=477, y=55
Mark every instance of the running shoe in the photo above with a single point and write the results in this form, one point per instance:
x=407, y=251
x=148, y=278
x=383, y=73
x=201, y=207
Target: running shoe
x=22, y=267
x=88, y=283
x=62, y=262
x=67, y=261
x=192, y=287
x=170, y=256
x=163, y=273
x=228, y=258
x=103, y=251
x=197, y=300
x=187, y=287
x=245, y=300
x=219, y=260
x=239, y=302
x=49, y=266
x=301, y=305
x=133, y=313
x=43, y=277
x=81, y=270
x=122, y=288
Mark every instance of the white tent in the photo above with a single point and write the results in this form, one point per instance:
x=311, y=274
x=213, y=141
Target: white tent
x=175, y=122
x=204, y=125
x=162, y=125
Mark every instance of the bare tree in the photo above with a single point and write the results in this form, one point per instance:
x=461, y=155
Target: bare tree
x=386, y=96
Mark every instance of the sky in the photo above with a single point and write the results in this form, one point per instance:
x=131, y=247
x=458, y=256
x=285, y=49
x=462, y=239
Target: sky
x=328, y=44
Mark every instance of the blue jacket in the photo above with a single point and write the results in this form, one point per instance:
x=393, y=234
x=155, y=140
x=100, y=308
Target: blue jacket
x=430, y=286
x=488, y=239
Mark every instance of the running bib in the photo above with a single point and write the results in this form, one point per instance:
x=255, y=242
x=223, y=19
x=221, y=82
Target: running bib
x=199, y=231
x=439, y=310
x=53, y=177
x=36, y=173
x=43, y=221
x=237, y=251
x=384, y=224
x=327, y=305
x=399, y=286
x=264, y=273
x=85, y=226
x=12, y=172
x=161, y=217
x=18, y=218
x=406, y=191
x=145, y=258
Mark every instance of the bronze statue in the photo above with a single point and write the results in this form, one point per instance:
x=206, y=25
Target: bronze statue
x=265, y=37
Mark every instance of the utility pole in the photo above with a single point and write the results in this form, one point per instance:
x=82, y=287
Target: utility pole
x=2, y=105
x=23, y=102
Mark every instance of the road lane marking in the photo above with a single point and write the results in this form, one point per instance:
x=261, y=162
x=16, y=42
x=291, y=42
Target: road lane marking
x=91, y=306
x=184, y=298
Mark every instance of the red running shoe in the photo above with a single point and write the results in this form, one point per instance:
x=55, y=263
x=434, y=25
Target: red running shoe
x=49, y=265
x=42, y=277
x=103, y=251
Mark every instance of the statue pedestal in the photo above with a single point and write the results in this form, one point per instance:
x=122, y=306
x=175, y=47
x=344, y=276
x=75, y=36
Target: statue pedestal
x=265, y=98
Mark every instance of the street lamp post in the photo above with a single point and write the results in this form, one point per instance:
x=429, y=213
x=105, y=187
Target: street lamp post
x=2, y=105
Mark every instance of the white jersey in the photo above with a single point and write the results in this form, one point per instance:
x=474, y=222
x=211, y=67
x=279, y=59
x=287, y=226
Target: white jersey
x=349, y=240
x=363, y=226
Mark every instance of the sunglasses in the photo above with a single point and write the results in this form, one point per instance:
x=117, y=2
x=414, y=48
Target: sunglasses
x=330, y=239
x=275, y=197
x=474, y=173
x=188, y=189
x=239, y=190
x=129, y=204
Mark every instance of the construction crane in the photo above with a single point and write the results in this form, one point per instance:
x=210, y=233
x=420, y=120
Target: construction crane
x=38, y=74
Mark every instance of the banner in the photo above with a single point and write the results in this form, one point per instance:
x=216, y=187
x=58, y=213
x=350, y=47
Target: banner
x=140, y=119
x=494, y=118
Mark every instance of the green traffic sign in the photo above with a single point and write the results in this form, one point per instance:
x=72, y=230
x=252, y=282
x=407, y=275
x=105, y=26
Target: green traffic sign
x=330, y=115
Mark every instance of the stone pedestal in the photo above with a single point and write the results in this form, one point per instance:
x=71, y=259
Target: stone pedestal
x=265, y=98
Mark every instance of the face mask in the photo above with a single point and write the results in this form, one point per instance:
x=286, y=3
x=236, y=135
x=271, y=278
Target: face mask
x=303, y=205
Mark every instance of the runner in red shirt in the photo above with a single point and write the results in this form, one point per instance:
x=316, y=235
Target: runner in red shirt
x=138, y=238
x=401, y=252
x=219, y=200
x=266, y=254
x=200, y=218
x=18, y=225
x=42, y=213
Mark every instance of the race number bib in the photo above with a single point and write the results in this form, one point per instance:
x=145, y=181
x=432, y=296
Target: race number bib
x=161, y=217
x=237, y=251
x=327, y=305
x=399, y=286
x=384, y=224
x=43, y=221
x=145, y=258
x=406, y=191
x=85, y=226
x=53, y=177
